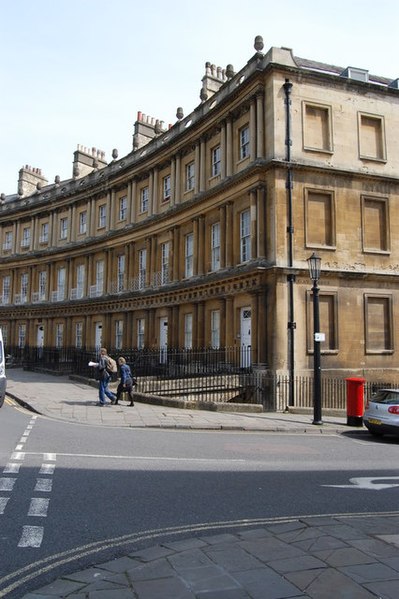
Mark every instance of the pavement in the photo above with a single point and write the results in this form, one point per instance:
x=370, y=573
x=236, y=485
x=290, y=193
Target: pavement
x=354, y=556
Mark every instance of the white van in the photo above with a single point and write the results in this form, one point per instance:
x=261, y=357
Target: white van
x=3, y=379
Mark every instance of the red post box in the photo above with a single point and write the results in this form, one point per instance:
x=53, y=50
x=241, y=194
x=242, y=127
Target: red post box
x=354, y=401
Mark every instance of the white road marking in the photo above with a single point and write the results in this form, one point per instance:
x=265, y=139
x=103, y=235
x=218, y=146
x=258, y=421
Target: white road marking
x=3, y=503
x=365, y=482
x=43, y=485
x=47, y=469
x=19, y=447
x=141, y=457
x=29, y=427
x=32, y=536
x=23, y=440
x=7, y=484
x=49, y=457
x=18, y=455
x=11, y=468
x=38, y=507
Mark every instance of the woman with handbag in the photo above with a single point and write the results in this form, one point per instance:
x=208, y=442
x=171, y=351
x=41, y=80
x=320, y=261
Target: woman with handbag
x=126, y=383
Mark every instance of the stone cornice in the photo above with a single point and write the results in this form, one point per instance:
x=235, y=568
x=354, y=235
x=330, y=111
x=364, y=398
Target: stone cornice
x=192, y=292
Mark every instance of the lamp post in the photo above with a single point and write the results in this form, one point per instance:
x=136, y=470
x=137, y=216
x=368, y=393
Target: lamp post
x=314, y=264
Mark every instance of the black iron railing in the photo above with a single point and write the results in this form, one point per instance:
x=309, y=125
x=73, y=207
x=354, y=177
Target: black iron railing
x=221, y=375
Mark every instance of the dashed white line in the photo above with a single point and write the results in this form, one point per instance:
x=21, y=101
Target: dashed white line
x=11, y=468
x=3, y=503
x=43, y=485
x=38, y=507
x=19, y=447
x=18, y=455
x=47, y=469
x=7, y=484
x=32, y=536
x=49, y=457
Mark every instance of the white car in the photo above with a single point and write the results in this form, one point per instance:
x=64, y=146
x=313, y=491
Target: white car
x=381, y=414
x=3, y=379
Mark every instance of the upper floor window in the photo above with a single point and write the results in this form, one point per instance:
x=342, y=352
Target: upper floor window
x=82, y=222
x=244, y=143
x=190, y=176
x=102, y=216
x=42, y=285
x=215, y=161
x=121, y=273
x=165, y=263
x=24, y=287
x=189, y=255
x=372, y=137
x=80, y=280
x=60, y=293
x=6, y=289
x=7, y=243
x=317, y=127
x=166, y=188
x=142, y=268
x=44, y=229
x=144, y=200
x=215, y=246
x=100, y=276
x=123, y=208
x=245, y=236
x=25, y=243
x=63, y=228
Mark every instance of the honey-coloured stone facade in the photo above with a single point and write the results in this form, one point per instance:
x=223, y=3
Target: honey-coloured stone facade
x=200, y=236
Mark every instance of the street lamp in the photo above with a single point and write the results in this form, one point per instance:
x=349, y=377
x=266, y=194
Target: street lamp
x=314, y=264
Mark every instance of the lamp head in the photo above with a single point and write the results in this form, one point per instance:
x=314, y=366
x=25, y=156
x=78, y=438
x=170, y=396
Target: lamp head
x=314, y=265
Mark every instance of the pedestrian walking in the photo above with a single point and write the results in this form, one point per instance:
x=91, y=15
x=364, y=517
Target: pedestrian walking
x=103, y=377
x=126, y=383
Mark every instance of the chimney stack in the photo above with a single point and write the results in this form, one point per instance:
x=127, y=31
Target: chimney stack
x=145, y=129
x=29, y=179
x=85, y=160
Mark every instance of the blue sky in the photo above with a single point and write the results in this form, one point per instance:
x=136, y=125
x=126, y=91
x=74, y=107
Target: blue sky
x=77, y=71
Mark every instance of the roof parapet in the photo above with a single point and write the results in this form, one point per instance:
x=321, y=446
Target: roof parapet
x=282, y=56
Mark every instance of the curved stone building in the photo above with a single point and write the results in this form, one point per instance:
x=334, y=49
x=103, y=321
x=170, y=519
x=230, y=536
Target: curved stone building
x=200, y=236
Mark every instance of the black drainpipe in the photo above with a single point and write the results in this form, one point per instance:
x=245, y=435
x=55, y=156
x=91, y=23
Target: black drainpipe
x=290, y=231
